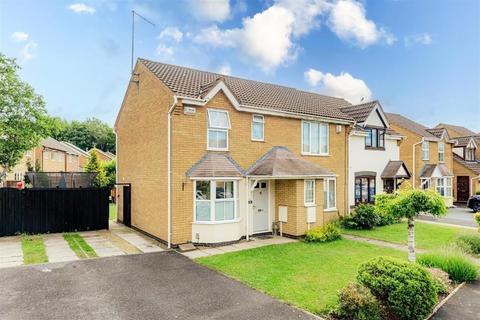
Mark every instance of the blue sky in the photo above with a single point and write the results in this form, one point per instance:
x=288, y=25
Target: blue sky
x=419, y=58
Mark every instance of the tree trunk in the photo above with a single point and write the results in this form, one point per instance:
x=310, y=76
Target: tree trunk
x=411, y=240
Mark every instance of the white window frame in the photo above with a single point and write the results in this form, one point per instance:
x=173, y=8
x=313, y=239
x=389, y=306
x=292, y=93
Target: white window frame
x=425, y=150
x=305, y=187
x=441, y=152
x=469, y=154
x=446, y=186
x=217, y=129
x=326, y=194
x=258, y=119
x=425, y=183
x=212, y=200
x=320, y=153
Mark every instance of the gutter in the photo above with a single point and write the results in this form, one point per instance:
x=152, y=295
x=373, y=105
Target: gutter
x=414, y=160
x=169, y=172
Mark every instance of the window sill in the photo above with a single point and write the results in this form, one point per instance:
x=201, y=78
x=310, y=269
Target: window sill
x=315, y=155
x=257, y=140
x=330, y=210
x=308, y=205
x=218, y=222
x=214, y=149
x=376, y=149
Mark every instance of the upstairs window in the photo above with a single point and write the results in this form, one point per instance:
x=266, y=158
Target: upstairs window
x=314, y=138
x=441, y=152
x=470, y=154
x=258, y=124
x=375, y=138
x=218, y=126
x=309, y=192
x=425, y=150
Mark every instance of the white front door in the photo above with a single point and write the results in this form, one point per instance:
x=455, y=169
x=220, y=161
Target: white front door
x=260, y=207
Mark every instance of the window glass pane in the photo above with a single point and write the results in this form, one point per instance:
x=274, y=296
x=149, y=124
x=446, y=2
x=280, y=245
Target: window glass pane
x=218, y=119
x=217, y=139
x=324, y=139
x=374, y=138
x=364, y=197
x=381, y=138
x=220, y=190
x=203, y=211
x=306, y=137
x=257, y=130
x=315, y=138
x=371, y=191
x=219, y=210
x=257, y=118
x=331, y=193
x=309, y=191
x=229, y=190
x=368, y=138
x=357, y=189
x=203, y=190
x=229, y=210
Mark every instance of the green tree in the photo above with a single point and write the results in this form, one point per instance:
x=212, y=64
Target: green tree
x=93, y=165
x=110, y=168
x=23, y=116
x=409, y=203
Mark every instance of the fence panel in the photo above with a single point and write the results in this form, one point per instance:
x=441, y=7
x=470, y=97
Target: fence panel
x=52, y=210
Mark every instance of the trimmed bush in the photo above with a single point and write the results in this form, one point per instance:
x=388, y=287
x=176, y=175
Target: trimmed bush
x=406, y=289
x=355, y=302
x=382, y=206
x=469, y=243
x=458, y=267
x=363, y=218
x=441, y=280
x=326, y=233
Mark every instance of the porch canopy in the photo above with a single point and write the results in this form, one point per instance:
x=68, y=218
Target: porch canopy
x=281, y=163
x=435, y=171
x=395, y=170
x=215, y=165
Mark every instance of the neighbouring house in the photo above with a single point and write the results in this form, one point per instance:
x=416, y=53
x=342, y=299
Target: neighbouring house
x=427, y=154
x=455, y=131
x=50, y=156
x=466, y=167
x=213, y=158
x=83, y=156
x=374, y=162
x=103, y=156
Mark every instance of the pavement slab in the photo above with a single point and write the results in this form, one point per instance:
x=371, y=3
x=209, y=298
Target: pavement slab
x=101, y=244
x=57, y=249
x=143, y=244
x=11, y=254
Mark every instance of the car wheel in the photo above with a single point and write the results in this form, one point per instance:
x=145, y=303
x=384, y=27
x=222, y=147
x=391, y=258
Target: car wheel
x=476, y=207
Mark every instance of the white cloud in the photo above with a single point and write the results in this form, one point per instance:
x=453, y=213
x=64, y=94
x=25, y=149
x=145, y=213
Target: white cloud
x=306, y=13
x=81, y=8
x=343, y=85
x=218, y=38
x=28, y=51
x=171, y=33
x=211, y=10
x=164, y=51
x=19, y=36
x=348, y=20
x=421, y=38
x=224, y=69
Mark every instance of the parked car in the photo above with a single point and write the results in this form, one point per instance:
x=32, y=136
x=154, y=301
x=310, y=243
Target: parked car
x=474, y=203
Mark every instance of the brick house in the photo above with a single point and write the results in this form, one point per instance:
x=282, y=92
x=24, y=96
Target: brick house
x=428, y=155
x=213, y=158
x=466, y=167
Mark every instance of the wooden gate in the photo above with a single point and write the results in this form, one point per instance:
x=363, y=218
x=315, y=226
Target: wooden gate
x=463, y=188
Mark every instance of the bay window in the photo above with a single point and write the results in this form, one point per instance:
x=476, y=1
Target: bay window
x=258, y=128
x=309, y=192
x=441, y=152
x=444, y=186
x=329, y=194
x=218, y=126
x=314, y=138
x=425, y=150
x=215, y=201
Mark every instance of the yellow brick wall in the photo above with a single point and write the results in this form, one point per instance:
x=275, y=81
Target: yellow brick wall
x=461, y=170
x=51, y=165
x=142, y=151
x=189, y=144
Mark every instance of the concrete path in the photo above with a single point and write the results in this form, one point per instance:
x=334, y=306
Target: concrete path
x=465, y=304
x=57, y=249
x=11, y=254
x=253, y=243
x=102, y=246
x=163, y=285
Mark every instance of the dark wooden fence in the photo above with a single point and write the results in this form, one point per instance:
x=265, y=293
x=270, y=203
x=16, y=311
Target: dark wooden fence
x=52, y=210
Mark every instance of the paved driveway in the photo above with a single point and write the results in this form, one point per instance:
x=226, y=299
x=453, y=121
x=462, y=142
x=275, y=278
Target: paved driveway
x=164, y=285
x=459, y=216
x=465, y=304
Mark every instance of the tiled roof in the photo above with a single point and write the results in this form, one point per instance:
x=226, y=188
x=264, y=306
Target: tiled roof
x=410, y=125
x=360, y=112
x=392, y=168
x=461, y=130
x=472, y=165
x=215, y=165
x=437, y=132
x=51, y=143
x=281, y=162
x=195, y=83
x=428, y=170
x=463, y=141
x=79, y=150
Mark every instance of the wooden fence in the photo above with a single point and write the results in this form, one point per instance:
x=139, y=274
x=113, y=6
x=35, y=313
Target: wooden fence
x=52, y=210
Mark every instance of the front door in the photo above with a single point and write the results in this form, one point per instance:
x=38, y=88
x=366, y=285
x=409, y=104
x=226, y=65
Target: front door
x=260, y=207
x=463, y=188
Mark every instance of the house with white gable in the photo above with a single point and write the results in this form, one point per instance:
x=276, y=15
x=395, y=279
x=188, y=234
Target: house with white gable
x=374, y=154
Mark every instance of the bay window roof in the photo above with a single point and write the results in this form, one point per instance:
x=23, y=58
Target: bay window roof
x=213, y=165
x=435, y=171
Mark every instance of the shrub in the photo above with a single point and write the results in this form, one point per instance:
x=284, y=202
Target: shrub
x=476, y=216
x=477, y=193
x=363, y=218
x=382, y=206
x=441, y=280
x=458, y=267
x=355, y=302
x=469, y=243
x=406, y=289
x=326, y=233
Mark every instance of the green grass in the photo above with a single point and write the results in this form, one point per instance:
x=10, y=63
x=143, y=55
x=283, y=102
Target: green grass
x=427, y=236
x=302, y=274
x=33, y=250
x=79, y=246
x=112, y=211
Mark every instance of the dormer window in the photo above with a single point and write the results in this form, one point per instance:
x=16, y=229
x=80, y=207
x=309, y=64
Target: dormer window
x=218, y=126
x=375, y=138
x=470, y=154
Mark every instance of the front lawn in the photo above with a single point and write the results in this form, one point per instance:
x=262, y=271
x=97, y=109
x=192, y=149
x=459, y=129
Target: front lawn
x=427, y=236
x=33, y=250
x=305, y=275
